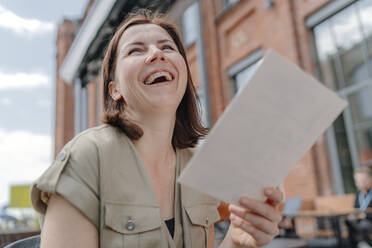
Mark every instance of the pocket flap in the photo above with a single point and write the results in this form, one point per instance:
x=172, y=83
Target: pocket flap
x=131, y=218
x=203, y=215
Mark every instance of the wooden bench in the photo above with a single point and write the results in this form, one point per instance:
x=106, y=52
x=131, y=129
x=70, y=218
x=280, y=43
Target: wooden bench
x=335, y=203
x=323, y=206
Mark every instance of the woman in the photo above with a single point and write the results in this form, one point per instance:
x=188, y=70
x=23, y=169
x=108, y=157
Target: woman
x=114, y=185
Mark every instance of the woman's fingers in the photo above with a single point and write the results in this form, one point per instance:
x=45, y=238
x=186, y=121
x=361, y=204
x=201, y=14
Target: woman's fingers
x=261, y=208
x=259, y=236
x=257, y=221
x=274, y=196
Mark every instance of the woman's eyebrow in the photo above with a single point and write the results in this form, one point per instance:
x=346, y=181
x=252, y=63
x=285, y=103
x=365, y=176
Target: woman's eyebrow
x=164, y=41
x=136, y=43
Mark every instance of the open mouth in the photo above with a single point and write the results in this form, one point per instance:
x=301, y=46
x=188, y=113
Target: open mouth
x=158, y=77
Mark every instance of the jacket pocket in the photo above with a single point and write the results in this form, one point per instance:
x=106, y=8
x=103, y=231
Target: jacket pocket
x=132, y=225
x=202, y=217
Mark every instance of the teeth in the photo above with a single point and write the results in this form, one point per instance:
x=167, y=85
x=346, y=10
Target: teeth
x=155, y=75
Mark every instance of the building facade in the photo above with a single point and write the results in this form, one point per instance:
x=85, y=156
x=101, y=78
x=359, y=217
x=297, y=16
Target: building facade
x=225, y=40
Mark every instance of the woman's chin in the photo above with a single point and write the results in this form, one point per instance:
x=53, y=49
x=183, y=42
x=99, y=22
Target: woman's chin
x=164, y=102
x=164, y=99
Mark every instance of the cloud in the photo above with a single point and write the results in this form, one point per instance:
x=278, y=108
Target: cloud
x=23, y=157
x=5, y=101
x=23, y=26
x=22, y=80
x=44, y=103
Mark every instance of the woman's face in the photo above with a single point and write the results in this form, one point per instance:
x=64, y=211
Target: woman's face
x=150, y=72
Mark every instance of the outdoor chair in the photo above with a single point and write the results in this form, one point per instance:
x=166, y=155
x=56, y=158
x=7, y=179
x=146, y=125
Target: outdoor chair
x=31, y=242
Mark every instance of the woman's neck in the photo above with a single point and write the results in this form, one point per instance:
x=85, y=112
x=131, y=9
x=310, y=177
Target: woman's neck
x=155, y=146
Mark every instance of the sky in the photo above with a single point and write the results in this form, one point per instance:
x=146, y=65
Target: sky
x=28, y=33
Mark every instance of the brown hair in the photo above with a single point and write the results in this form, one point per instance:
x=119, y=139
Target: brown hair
x=188, y=128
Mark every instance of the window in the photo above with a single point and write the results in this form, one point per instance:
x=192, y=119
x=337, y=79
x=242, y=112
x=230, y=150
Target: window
x=203, y=107
x=190, y=22
x=344, y=51
x=242, y=71
x=242, y=78
x=190, y=33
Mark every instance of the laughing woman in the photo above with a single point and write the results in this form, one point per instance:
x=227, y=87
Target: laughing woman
x=114, y=185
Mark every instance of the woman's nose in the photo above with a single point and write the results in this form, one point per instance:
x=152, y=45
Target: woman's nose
x=154, y=55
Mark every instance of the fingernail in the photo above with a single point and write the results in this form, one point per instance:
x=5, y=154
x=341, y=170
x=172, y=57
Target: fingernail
x=268, y=191
x=234, y=208
x=244, y=201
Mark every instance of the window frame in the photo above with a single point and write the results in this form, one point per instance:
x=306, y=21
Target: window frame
x=187, y=41
x=242, y=65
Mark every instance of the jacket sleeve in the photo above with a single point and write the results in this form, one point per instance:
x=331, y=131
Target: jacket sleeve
x=75, y=176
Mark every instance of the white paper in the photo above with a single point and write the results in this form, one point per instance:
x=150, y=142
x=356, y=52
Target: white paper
x=263, y=133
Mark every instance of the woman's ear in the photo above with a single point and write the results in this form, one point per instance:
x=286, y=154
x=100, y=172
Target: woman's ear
x=114, y=92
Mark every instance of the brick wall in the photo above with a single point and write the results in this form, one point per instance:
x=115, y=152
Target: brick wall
x=234, y=34
x=64, y=118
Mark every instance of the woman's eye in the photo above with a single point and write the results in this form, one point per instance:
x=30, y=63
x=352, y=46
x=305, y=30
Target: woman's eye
x=135, y=50
x=167, y=47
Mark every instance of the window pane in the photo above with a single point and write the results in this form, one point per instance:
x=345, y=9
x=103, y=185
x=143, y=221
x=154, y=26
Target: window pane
x=360, y=104
x=361, y=76
x=364, y=9
x=202, y=107
x=190, y=24
x=343, y=150
x=326, y=49
x=346, y=29
x=325, y=43
x=242, y=78
x=348, y=37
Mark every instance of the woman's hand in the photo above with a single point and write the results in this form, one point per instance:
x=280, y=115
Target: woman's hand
x=255, y=223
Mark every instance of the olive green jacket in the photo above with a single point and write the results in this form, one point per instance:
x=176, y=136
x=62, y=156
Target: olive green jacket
x=100, y=173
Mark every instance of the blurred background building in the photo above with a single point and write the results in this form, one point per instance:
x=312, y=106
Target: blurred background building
x=224, y=39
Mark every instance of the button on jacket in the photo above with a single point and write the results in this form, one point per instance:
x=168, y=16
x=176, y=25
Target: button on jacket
x=101, y=174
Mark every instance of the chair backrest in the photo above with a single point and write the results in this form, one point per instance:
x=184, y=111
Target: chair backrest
x=31, y=242
x=292, y=205
x=335, y=202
